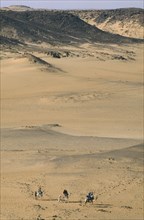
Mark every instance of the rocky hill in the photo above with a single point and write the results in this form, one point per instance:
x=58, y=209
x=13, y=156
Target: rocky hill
x=53, y=27
x=17, y=8
x=127, y=22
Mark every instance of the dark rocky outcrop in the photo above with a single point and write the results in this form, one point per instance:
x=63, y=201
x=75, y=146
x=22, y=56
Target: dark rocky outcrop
x=53, y=27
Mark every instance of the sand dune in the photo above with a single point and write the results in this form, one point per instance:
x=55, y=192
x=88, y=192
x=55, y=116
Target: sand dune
x=76, y=125
x=42, y=63
x=89, y=97
x=34, y=156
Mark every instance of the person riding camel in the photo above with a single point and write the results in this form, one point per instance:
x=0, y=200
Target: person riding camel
x=39, y=193
x=65, y=193
x=90, y=196
x=40, y=190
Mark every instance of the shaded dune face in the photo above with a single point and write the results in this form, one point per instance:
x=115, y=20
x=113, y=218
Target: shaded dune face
x=42, y=64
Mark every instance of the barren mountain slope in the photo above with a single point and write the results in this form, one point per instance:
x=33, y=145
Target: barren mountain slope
x=54, y=27
x=126, y=22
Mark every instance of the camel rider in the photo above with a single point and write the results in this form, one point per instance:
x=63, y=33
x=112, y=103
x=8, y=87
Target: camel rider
x=40, y=190
x=90, y=196
x=65, y=193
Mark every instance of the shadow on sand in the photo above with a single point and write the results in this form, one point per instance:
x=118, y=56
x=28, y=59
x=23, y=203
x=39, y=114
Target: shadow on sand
x=75, y=201
x=104, y=206
x=53, y=200
x=49, y=200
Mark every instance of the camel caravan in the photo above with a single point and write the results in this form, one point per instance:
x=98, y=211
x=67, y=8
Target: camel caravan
x=64, y=197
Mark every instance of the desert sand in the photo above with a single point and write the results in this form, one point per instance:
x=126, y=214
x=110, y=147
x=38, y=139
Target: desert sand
x=73, y=123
